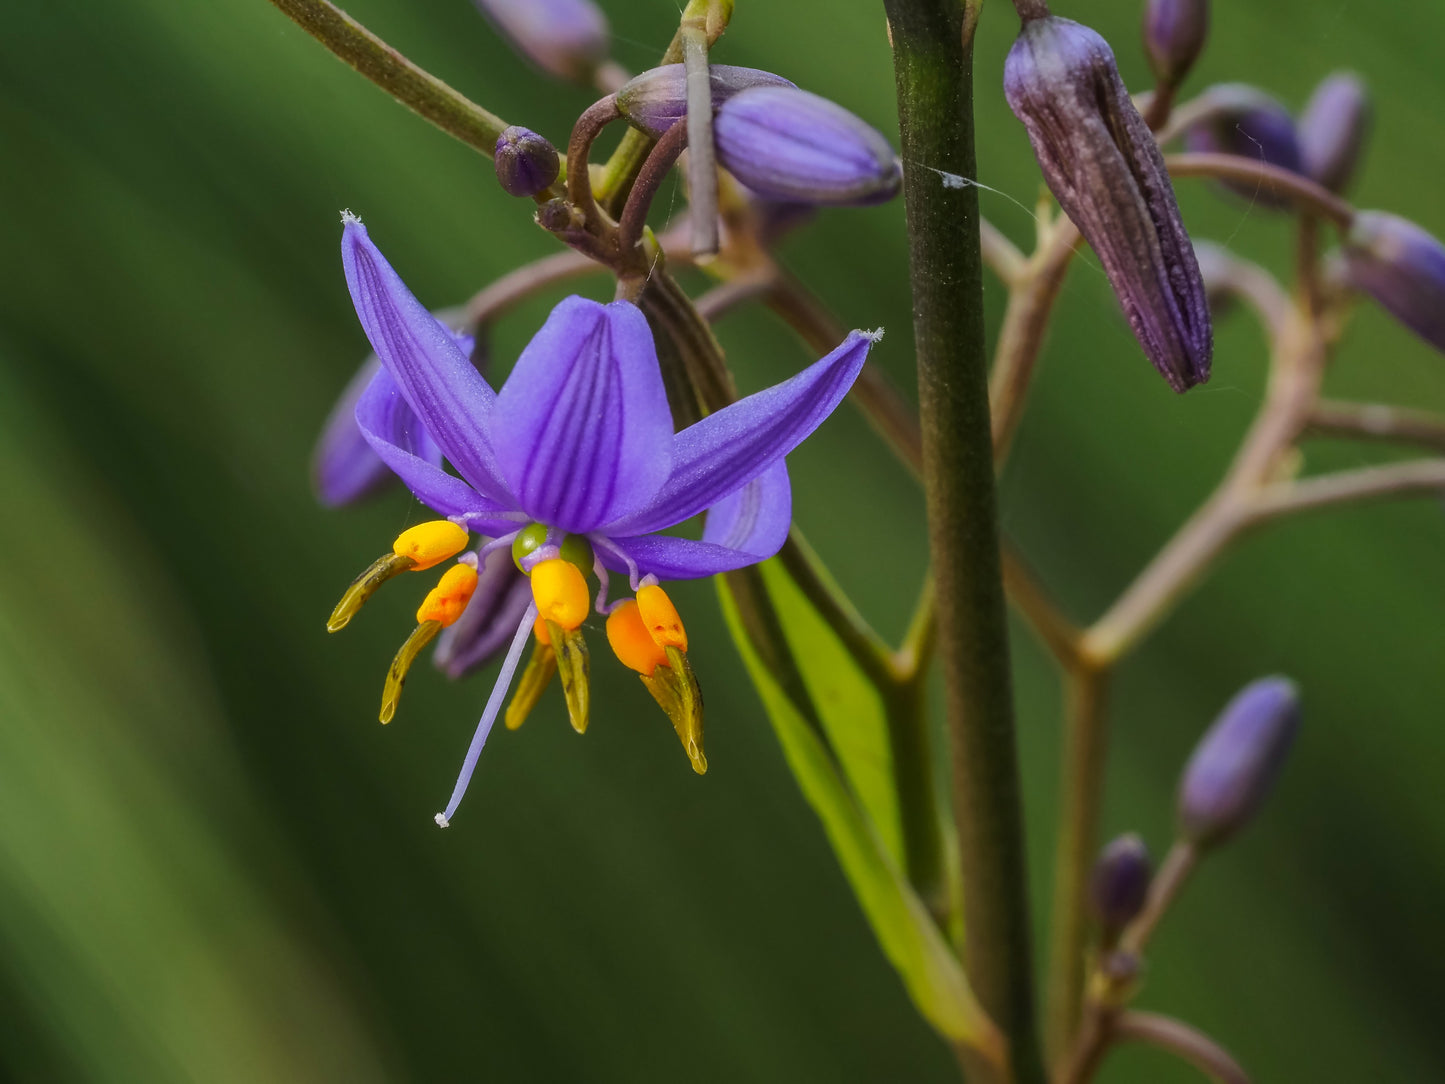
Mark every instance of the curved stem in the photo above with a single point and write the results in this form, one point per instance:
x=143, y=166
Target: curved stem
x=415, y=88
x=1347, y=487
x=518, y=285
x=1378, y=421
x=1000, y=255
x=1305, y=194
x=579, y=181
x=933, y=74
x=639, y=201
x=1185, y=1042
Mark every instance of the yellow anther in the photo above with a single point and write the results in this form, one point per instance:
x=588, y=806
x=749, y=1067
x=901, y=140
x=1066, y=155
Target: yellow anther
x=631, y=641
x=560, y=591
x=660, y=616
x=539, y=630
x=446, y=601
x=430, y=543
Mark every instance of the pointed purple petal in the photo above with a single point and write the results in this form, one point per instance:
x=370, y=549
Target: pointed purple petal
x=387, y=423
x=439, y=382
x=582, y=428
x=725, y=450
x=742, y=529
x=344, y=468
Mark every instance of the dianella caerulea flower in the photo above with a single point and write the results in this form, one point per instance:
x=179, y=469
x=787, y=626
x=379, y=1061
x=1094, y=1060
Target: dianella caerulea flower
x=1102, y=164
x=565, y=38
x=574, y=467
x=1246, y=121
x=1333, y=130
x=1402, y=267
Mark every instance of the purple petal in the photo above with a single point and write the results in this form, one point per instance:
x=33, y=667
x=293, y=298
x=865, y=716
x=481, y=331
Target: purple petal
x=724, y=451
x=439, y=382
x=387, y=423
x=742, y=529
x=344, y=468
x=582, y=429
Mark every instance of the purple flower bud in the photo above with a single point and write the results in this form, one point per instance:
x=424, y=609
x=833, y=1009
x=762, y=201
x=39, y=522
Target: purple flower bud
x=1120, y=884
x=657, y=99
x=1333, y=129
x=1403, y=268
x=1174, y=33
x=1251, y=124
x=344, y=469
x=490, y=620
x=787, y=144
x=565, y=38
x=1104, y=167
x=1235, y=764
x=526, y=162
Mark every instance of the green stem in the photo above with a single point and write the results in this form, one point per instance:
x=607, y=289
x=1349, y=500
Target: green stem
x=415, y=88
x=934, y=77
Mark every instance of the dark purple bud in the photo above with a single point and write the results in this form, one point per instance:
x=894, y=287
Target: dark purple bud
x=490, y=620
x=1235, y=764
x=1120, y=884
x=657, y=99
x=1333, y=128
x=1105, y=169
x=565, y=38
x=1249, y=123
x=1174, y=33
x=1403, y=268
x=526, y=162
x=787, y=144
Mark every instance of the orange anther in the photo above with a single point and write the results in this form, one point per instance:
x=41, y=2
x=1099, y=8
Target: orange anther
x=660, y=617
x=560, y=591
x=446, y=601
x=631, y=642
x=539, y=630
x=430, y=543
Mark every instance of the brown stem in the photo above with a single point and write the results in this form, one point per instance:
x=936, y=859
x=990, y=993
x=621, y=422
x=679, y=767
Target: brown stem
x=702, y=195
x=1346, y=487
x=579, y=182
x=1055, y=631
x=1305, y=194
x=1188, y=1043
x=1000, y=254
x=518, y=285
x=1377, y=421
x=654, y=170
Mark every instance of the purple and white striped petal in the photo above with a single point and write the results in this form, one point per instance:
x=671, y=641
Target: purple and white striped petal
x=742, y=529
x=389, y=426
x=437, y=379
x=720, y=454
x=582, y=428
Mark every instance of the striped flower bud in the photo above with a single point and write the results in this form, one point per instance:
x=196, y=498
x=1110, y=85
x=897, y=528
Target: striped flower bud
x=1249, y=123
x=657, y=99
x=1403, y=268
x=1120, y=884
x=1333, y=129
x=1101, y=162
x=565, y=38
x=526, y=162
x=1235, y=764
x=1174, y=34
x=787, y=144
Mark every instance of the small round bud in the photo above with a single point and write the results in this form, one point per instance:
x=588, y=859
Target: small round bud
x=529, y=539
x=1120, y=884
x=565, y=38
x=1333, y=129
x=1236, y=763
x=526, y=163
x=1174, y=35
x=1403, y=268
x=1251, y=124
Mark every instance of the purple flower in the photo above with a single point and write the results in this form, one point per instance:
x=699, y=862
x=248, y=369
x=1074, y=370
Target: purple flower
x=526, y=163
x=565, y=38
x=1120, y=884
x=1236, y=763
x=576, y=455
x=1402, y=267
x=1333, y=128
x=1174, y=34
x=1249, y=123
x=1102, y=164
x=657, y=99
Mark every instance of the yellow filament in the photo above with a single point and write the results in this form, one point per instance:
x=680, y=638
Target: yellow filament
x=532, y=684
x=446, y=601
x=430, y=543
x=560, y=591
x=405, y=656
x=631, y=641
x=660, y=616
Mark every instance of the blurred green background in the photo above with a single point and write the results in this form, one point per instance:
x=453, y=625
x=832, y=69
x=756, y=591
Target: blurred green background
x=216, y=866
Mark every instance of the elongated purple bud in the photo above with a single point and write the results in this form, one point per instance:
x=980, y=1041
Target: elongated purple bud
x=1101, y=162
x=657, y=99
x=1236, y=763
x=787, y=144
x=1120, y=884
x=1403, y=268
x=490, y=620
x=1174, y=35
x=1333, y=130
x=565, y=38
x=1251, y=124
x=526, y=162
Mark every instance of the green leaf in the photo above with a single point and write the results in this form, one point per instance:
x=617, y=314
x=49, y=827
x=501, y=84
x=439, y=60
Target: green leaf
x=808, y=685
